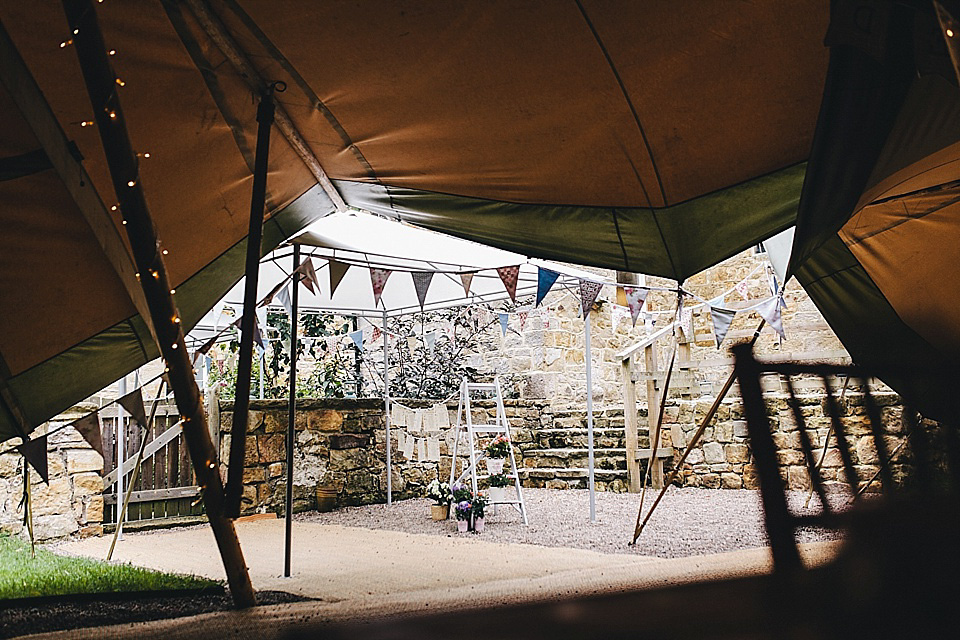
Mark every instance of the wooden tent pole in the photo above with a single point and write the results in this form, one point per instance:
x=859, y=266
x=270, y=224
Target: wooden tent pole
x=124, y=172
x=693, y=443
x=241, y=402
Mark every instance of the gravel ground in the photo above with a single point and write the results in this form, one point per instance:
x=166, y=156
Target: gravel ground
x=688, y=522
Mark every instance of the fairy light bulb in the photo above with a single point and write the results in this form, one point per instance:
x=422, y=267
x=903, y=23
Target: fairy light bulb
x=131, y=183
x=112, y=52
x=949, y=33
x=121, y=82
x=66, y=43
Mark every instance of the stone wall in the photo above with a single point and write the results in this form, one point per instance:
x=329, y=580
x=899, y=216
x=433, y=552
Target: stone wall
x=72, y=504
x=723, y=458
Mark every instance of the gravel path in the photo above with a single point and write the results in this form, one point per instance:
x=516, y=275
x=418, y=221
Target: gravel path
x=687, y=522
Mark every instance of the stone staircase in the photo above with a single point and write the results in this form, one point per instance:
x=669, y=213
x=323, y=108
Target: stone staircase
x=555, y=455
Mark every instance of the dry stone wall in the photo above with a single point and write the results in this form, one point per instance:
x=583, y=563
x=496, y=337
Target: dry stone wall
x=72, y=504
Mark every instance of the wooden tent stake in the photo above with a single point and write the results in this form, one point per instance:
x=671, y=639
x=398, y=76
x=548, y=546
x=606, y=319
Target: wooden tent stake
x=693, y=443
x=121, y=159
x=122, y=516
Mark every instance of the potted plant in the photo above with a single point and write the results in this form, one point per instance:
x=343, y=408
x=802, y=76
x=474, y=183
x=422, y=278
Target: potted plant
x=477, y=506
x=462, y=511
x=498, y=484
x=460, y=492
x=497, y=451
x=440, y=493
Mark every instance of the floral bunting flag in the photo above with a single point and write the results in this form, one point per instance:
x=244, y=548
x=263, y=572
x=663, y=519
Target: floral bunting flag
x=722, y=319
x=337, y=271
x=35, y=452
x=357, y=337
x=510, y=275
x=742, y=289
x=467, y=279
x=619, y=314
x=685, y=323
x=421, y=282
x=308, y=276
x=769, y=310
x=504, y=319
x=545, y=280
x=588, y=295
x=89, y=427
x=635, y=299
x=522, y=319
x=133, y=403
x=378, y=278
x=377, y=334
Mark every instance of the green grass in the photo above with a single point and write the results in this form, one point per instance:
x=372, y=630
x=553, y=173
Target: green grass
x=50, y=574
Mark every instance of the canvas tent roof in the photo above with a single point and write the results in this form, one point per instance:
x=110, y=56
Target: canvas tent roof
x=637, y=136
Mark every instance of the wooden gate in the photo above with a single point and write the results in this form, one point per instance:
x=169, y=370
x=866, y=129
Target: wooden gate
x=166, y=486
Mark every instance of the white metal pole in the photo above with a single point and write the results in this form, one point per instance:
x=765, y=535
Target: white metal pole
x=386, y=406
x=589, y=358
x=263, y=361
x=121, y=436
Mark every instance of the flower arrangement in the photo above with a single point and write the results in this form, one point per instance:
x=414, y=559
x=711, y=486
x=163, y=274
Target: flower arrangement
x=478, y=504
x=439, y=492
x=499, y=447
x=499, y=480
x=461, y=492
x=463, y=510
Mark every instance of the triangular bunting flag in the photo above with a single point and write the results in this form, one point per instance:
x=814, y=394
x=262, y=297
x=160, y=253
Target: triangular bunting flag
x=509, y=275
x=203, y=350
x=685, y=322
x=377, y=334
x=722, y=319
x=412, y=343
x=545, y=280
x=89, y=427
x=467, y=280
x=337, y=271
x=742, y=289
x=267, y=299
x=421, y=282
x=522, y=318
x=308, y=276
x=357, y=337
x=217, y=311
x=35, y=452
x=769, y=310
x=635, y=298
x=284, y=298
x=588, y=295
x=258, y=334
x=133, y=403
x=378, y=278
x=430, y=339
x=504, y=319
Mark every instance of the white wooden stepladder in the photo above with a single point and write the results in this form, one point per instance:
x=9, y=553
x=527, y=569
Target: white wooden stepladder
x=474, y=432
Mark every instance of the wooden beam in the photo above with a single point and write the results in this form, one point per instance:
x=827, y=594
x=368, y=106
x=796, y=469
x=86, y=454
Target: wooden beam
x=630, y=425
x=221, y=37
x=150, y=495
x=23, y=88
x=121, y=160
x=643, y=344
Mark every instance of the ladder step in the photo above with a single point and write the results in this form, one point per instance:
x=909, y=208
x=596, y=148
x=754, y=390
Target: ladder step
x=481, y=386
x=488, y=428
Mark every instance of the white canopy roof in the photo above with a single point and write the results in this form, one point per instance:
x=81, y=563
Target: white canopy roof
x=363, y=240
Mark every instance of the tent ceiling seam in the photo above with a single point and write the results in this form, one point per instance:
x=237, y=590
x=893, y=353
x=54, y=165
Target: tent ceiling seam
x=899, y=221
x=222, y=39
x=616, y=225
x=284, y=62
x=626, y=96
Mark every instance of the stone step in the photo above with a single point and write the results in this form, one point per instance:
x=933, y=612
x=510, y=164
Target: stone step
x=576, y=472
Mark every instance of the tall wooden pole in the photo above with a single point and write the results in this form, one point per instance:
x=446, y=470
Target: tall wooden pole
x=291, y=414
x=152, y=273
x=241, y=403
x=386, y=407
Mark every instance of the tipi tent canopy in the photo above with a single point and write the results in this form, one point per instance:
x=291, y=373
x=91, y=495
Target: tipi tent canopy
x=647, y=137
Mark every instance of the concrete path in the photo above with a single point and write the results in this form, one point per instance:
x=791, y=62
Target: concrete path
x=359, y=573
